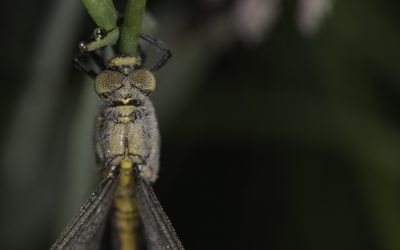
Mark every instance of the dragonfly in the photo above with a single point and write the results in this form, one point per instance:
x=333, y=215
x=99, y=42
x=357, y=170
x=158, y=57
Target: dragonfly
x=124, y=204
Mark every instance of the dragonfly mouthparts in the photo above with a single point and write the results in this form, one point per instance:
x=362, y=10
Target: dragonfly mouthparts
x=126, y=102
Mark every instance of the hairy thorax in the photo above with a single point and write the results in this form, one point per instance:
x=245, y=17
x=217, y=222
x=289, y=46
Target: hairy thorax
x=124, y=114
x=125, y=135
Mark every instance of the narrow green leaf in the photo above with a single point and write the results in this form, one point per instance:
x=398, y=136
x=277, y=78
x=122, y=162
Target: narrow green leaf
x=130, y=31
x=103, y=13
x=109, y=40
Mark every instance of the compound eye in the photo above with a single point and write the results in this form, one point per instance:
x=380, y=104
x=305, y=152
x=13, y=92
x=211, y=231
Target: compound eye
x=144, y=80
x=108, y=81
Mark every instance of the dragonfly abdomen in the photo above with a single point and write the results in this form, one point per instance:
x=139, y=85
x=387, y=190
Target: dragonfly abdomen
x=125, y=219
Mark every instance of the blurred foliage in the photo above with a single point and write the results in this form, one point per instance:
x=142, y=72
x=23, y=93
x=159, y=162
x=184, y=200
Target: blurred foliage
x=279, y=141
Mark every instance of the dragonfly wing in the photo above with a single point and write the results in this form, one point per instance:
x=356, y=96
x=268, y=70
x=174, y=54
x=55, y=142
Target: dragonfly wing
x=86, y=229
x=158, y=229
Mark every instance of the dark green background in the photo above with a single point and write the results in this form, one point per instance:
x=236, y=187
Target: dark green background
x=291, y=143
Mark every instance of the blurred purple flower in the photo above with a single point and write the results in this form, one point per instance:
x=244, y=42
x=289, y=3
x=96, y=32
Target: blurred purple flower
x=252, y=20
x=255, y=18
x=310, y=14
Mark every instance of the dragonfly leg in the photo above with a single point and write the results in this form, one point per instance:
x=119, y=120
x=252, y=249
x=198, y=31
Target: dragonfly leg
x=81, y=65
x=98, y=60
x=160, y=46
x=79, y=60
x=142, y=54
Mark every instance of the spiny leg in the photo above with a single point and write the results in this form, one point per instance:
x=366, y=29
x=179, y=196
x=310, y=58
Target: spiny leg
x=161, y=46
x=142, y=54
x=98, y=60
x=81, y=65
x=79, y=62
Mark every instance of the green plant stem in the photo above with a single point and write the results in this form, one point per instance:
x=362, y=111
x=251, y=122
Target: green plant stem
x=109, y=40
x=130, y=31
x=103, y=13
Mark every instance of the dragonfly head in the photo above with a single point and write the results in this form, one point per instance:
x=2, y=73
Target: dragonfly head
x=125, y=82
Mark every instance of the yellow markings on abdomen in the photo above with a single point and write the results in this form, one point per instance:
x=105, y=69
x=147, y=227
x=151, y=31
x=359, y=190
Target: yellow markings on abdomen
x=126, y=214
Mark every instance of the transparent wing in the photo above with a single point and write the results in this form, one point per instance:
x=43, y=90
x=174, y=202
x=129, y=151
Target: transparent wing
x=158, y=229
x=86, y=229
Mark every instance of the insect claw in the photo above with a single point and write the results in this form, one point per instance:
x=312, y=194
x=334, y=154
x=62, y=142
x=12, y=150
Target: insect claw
x=83, y=47
x=99, y=33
